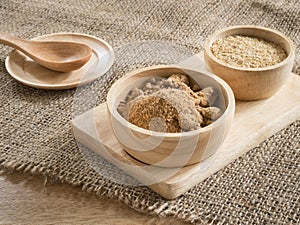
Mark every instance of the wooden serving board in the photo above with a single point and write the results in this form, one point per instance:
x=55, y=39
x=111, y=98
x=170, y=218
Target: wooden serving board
x=254, y=122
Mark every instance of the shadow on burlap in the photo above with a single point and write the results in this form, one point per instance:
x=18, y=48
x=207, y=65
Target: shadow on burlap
x=260, y=187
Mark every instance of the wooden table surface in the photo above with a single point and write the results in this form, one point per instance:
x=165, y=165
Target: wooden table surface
x=28, y=199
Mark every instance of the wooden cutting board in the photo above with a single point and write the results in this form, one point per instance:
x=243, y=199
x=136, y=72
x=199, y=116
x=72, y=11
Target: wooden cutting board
x=254, y=122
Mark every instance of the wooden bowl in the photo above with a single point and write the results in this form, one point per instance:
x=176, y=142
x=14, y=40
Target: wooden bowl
x=252, y=83
x=170, y=149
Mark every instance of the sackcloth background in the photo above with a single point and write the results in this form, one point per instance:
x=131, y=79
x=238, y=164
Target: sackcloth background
x=261, y=187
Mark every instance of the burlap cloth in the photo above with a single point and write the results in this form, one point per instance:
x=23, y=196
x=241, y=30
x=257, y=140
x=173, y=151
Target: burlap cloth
x=261, y=187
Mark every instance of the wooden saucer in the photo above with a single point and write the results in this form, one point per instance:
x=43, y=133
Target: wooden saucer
x=28, y=72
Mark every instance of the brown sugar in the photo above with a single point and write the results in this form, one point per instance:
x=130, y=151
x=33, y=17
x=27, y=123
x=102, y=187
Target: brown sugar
x=171, y=105
x=146, y=110
x=168, y=110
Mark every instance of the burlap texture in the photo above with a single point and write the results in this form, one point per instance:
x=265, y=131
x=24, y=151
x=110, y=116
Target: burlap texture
x=261, y=187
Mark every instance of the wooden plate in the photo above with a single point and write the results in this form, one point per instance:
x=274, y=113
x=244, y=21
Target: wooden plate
x=28, y=72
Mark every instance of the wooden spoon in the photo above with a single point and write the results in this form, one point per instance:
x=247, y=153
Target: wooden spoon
x=56, y=55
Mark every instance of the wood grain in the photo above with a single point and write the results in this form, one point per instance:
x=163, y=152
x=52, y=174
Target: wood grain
x=28, y=199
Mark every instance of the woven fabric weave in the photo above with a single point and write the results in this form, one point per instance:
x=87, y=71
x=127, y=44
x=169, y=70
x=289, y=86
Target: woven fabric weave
x=261, y=187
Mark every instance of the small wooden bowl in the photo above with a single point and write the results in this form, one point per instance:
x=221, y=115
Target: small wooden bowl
x=252, y=83
x=170, y=149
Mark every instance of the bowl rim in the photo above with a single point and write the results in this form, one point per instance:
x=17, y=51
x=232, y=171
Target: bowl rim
x=209, y=41
x=230, y=107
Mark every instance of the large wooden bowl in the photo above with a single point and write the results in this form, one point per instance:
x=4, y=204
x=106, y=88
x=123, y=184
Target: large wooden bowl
x=252, y=83
x=170, y=149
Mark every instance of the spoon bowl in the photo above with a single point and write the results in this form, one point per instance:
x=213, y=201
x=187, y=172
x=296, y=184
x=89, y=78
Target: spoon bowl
x=60, y=56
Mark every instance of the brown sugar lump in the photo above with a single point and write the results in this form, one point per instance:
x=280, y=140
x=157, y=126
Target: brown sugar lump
x=180, y=78
x=207, y=96
x=182, y=82
x=247, y=51
x=211, y=113
x=167, y=110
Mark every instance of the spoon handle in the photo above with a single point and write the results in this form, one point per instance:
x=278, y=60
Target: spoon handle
x=13, y=41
